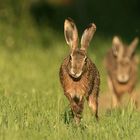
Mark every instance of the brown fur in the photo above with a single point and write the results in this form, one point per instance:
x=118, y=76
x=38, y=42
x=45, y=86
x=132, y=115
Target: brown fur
x=112, y=63
x=86, y=85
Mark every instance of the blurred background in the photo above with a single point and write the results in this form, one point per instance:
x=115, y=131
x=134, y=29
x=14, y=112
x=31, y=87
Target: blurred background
x=31, y=21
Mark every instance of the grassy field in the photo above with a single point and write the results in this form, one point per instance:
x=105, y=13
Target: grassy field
x=32, y=104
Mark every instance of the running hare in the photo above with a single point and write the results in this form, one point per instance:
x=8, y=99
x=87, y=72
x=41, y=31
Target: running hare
x=78, y=74
x=121, y=65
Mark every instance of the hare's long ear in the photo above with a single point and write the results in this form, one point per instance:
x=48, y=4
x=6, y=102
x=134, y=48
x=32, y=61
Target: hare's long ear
x=133, y=46
x=117, y=47
x=87, y=36
x=71, y=33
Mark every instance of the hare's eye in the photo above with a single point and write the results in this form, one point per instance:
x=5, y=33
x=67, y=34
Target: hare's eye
x=70, y=58
x=85, y=60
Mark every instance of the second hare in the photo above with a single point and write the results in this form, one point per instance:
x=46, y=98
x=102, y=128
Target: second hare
x=121, y=65
x=78, y=74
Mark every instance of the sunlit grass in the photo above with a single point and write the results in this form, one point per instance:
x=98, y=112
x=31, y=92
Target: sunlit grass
x=32, y=104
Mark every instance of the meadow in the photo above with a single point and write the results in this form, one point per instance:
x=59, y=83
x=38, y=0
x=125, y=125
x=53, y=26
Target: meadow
x=32, y=104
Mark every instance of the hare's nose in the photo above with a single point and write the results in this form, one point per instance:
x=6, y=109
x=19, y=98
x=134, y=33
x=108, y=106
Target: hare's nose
x=72, y=72
x=78, y=74
x=75, y=74
x=123, y=78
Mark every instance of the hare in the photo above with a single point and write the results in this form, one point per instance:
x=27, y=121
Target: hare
x=121, y=65
x=79, y=76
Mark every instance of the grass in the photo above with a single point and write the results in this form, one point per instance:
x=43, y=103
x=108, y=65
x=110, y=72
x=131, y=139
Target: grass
x=32, y=104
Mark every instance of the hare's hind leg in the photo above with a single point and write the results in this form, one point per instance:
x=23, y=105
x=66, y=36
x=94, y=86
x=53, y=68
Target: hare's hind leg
x=93, y=104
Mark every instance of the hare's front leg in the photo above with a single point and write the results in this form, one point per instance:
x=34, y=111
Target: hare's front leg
x=76, y=106
x=116, y=99
x=93, y=104
x=68, y=96
x=133, y=99
x=115, y=96
x=77, y=109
